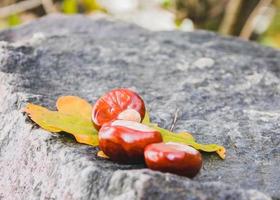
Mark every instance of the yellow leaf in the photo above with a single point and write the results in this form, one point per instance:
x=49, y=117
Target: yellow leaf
x=186, y=136
x=101, y=154
x=93, y=5
x=80, y=128
x=33, y=110
x=188, y=139
x=146, y=119
x=70, y=6
x=74, y=105
x=74, y=117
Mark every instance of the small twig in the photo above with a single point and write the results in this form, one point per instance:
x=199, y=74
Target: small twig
x=230, y=17
x=19, y=7
x=248, y=28
x=49, y=6
x=174, y=120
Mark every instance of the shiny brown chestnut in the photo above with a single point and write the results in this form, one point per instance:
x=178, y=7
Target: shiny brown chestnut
x=174, y=158
x=122, y=103
x=125, y=141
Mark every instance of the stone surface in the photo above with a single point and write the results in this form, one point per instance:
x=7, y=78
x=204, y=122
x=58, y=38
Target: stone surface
x=224, y=90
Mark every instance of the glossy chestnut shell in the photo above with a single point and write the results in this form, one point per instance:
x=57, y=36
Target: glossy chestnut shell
x=112, y=104
x=125, y=141
x=174, y=158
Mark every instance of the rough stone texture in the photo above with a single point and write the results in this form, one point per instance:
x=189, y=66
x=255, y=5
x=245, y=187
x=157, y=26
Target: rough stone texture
x=224, y=90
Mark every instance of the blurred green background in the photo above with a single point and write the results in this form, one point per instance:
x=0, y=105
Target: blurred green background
x=257, y=20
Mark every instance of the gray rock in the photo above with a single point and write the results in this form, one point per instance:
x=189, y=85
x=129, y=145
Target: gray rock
x=225, y=91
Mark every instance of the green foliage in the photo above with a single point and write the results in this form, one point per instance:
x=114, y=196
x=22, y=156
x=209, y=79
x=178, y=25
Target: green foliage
x=205, y=14
x=272, y=36
x=166, y=3
x=92, y=5
x=14, y=20
x=70, y=6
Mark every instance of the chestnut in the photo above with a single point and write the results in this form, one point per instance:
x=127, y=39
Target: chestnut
x=119, y=103
x=174, y=158
x=124, y=141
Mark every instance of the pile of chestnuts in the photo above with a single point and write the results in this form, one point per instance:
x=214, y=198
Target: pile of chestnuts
x=124, y=139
